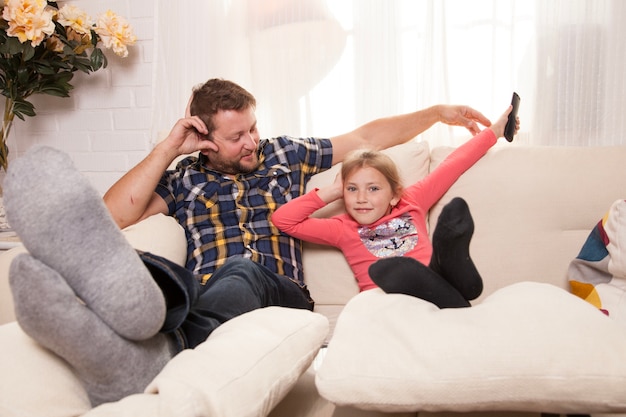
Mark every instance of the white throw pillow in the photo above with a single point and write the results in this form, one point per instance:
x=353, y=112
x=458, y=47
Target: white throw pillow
x=244, y=368
x=160, y=235
x=526, y=347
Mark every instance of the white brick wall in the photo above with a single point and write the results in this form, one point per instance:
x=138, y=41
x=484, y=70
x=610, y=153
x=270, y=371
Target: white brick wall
x=105, y=125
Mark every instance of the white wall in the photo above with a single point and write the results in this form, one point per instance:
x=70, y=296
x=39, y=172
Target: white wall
x=105, y=125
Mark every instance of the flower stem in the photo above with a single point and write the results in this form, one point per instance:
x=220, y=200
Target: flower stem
x=7, y=122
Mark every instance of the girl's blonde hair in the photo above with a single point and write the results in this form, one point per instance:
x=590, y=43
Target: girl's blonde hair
x=374, y=159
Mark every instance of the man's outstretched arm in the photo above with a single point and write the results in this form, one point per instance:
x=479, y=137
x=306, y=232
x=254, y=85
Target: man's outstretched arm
x=390, y=131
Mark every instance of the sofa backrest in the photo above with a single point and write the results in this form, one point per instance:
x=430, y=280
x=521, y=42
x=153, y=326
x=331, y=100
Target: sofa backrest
x=533, y=207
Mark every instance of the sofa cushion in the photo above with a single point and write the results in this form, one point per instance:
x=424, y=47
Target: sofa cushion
x=243, y=369
x=527, y=347
x=533, y=207
x=160, y=235
x=34, y=381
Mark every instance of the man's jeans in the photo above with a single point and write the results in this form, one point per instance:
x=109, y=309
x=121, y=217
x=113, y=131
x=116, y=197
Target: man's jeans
x=194, y=310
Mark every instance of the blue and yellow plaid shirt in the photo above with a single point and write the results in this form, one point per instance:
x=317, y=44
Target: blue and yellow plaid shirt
x=227, y=215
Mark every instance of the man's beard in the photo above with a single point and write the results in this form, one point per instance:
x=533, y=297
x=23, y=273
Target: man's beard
x=232, y=167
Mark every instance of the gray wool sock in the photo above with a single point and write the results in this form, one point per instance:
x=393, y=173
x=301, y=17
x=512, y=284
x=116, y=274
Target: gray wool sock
x=110, y=366
x=63, y=222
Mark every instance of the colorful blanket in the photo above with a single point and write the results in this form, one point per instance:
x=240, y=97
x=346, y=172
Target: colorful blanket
x=598, y=274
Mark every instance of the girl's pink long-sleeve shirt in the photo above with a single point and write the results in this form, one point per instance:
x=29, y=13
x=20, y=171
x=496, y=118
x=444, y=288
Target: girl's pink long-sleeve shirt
x=403, y=232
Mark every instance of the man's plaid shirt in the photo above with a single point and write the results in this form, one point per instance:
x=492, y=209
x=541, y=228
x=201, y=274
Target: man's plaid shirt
x=227, y=215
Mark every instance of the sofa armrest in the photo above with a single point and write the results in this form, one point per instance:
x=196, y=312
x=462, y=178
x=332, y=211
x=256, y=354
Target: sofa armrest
x=34, y=381
x=7, y=314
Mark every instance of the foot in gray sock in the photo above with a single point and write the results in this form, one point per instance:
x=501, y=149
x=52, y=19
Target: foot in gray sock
x=110, y=366
x=63, y=222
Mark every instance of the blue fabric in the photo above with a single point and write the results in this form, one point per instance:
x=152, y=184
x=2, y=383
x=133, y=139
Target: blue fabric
x=194, y=310
x=594, y=249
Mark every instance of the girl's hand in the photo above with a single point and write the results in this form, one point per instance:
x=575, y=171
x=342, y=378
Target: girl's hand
x=498, y=126
x=332, y=192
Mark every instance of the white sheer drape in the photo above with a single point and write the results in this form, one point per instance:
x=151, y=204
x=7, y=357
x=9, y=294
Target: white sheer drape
x=322, y=67
x=580, y=72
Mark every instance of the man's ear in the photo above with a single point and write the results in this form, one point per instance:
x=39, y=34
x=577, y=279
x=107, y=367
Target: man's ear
x=207, y=146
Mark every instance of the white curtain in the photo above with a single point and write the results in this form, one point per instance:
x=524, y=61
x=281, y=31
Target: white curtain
x=323, y=67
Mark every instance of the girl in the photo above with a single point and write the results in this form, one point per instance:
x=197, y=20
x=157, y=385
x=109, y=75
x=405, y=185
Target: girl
x=383, y=234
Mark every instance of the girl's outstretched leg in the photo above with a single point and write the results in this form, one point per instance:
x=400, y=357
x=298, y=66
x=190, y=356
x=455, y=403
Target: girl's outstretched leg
x=403, y=275
x=451, y=241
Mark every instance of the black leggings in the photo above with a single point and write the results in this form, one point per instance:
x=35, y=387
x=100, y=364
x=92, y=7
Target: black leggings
x=451, y=279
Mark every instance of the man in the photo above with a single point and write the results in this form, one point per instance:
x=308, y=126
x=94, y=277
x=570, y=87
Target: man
x=137, y=312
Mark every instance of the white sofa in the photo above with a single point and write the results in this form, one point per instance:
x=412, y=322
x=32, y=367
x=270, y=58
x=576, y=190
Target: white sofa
x=527, y=345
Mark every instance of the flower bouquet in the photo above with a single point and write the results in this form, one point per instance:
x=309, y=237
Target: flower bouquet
x=42, y=46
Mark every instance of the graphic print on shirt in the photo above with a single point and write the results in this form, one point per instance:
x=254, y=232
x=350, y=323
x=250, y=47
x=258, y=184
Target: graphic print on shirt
x=393, y=238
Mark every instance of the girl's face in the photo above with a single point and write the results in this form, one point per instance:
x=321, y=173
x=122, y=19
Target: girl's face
x=367, y=195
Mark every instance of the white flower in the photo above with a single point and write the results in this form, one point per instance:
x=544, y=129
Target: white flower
x=115, y=32
x=72, y=17
x=29, y=20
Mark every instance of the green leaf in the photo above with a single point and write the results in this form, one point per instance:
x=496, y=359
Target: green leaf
x=68, y=49
x=23, y=108
x=94, y=39
x=22, y=75
x=81, y=63
x=98, y=59
x=64, y=77
x=28, y=53
x=43, y=68
x=57, y=91
x=12, y=46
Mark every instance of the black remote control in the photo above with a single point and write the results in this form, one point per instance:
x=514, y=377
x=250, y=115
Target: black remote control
x=509, y=129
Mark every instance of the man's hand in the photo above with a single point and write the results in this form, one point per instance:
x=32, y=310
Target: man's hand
x=463, y=116
x=189, y=135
